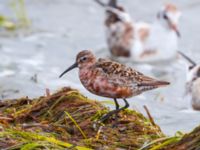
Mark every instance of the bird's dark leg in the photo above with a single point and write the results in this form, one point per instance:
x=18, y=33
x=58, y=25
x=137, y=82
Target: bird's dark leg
x=105, y=117
x=126, y=104
x=117, y=107
x=115, y=111
x=116, y=104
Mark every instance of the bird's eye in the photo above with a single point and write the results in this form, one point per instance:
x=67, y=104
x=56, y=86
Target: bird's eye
x=165, y=16
x=191, y=67
x=198, y=72
x=83, y=58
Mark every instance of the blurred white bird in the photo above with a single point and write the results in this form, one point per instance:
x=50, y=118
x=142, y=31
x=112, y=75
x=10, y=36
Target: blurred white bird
x=157, y=41
x=142, y=41
x=119, y=29
x=193, y=82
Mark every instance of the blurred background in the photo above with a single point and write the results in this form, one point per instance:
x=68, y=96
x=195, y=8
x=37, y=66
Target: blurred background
x=40, y=39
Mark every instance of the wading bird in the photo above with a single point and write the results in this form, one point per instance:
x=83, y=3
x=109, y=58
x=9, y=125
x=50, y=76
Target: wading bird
x=157, y=41
x=119, y=29
x=111, y=79
x=193, y=82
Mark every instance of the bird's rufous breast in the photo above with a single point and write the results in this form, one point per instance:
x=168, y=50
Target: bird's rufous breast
x=100, y=85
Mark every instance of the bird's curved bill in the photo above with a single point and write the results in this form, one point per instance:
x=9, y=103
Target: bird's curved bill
x=192, y=62
x=70, y=68
x=174, y=27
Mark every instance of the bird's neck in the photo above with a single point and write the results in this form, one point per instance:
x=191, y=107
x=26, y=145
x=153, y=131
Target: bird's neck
x=162, y=24
x=85, y=75
x=85, y=72
x=162, y=27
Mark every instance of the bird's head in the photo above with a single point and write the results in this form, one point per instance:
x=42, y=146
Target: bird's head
x=193, y=73
x=193, y=69
x=169, y=16
x=84, y=59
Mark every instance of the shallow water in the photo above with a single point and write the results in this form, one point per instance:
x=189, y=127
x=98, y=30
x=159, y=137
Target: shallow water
x=32, y=59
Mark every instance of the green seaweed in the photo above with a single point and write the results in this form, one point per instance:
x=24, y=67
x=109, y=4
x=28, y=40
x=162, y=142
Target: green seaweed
x=32, y=140
x=76, y=124
x=6, y=23
x=19, y=9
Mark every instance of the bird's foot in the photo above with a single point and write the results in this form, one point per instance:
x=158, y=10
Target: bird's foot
x=105, y=117
x=108, y=115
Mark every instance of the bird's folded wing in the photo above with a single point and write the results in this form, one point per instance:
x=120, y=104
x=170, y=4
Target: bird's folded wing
x=120, y=74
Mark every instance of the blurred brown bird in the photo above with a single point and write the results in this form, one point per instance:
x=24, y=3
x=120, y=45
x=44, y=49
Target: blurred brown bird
x=119, y=29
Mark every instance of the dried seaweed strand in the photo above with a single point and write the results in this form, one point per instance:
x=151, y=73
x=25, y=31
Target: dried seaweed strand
x=76, y=124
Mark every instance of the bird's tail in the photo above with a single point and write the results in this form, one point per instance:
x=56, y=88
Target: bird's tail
x=152, y=85
x=160, y=83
